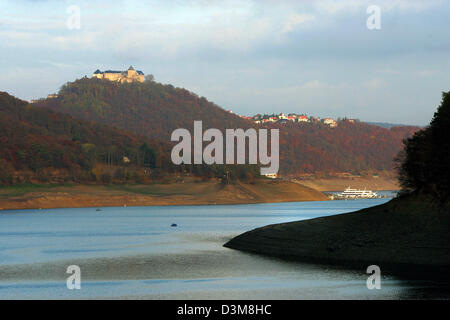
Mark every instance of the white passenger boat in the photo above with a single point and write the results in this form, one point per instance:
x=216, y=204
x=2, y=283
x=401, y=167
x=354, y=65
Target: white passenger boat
x=350, y=193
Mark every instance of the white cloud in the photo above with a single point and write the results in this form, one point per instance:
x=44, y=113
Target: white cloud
x=337, y=6
x=313, y=84
x=295, y=20
x=375, y=83
x=389, y=71
x=316, y=84
x=251, y=48
x=426, y=73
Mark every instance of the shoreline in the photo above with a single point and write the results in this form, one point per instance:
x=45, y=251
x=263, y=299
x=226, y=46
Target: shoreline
x=400, y=236
x=190, y=193
x=337, y=184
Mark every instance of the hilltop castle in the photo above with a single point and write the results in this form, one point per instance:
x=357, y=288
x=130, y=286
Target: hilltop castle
x=130, y=75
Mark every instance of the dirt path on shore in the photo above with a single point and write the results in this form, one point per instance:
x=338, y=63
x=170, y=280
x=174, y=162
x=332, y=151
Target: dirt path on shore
x=191, y=192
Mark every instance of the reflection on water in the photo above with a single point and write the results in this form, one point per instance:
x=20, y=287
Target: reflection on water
x=135, y=253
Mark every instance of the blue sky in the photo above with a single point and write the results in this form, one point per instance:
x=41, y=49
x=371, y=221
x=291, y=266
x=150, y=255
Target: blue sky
x=313, y=57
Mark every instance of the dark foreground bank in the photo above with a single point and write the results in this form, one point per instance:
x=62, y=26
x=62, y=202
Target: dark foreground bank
x=404, y=235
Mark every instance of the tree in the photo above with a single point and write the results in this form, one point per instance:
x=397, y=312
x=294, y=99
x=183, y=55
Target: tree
x=147, y=156
x=106, y=177
x=424, y=164
x=6, y=172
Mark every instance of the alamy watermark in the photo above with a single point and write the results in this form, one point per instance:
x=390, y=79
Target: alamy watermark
x=74, y=280
x=74, y=18
x=374, y=20
x=213, y=153
x=374, y=280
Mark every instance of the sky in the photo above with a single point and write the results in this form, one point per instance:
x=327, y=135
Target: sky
x=264, y=56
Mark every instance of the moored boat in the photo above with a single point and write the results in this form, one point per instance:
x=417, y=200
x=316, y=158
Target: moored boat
x=350, y=193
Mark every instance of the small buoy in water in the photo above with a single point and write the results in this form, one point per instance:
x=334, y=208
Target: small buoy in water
x=173, y=225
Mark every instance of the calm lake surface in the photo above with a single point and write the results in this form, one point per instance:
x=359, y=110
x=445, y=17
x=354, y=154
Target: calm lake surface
x=135, y=253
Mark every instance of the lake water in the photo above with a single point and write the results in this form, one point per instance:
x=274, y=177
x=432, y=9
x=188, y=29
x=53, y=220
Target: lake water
x=135, y=253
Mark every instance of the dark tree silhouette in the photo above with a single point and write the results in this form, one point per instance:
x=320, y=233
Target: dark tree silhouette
x=424, y=164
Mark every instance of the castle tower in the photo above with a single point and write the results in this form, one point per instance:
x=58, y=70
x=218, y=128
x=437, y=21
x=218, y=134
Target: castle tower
x=98, y=74
x=131, y=72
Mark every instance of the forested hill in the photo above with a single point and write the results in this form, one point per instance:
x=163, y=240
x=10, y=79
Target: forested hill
x=148, y=108
x=155, y=110
x=34, y=141
x=350, y=147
